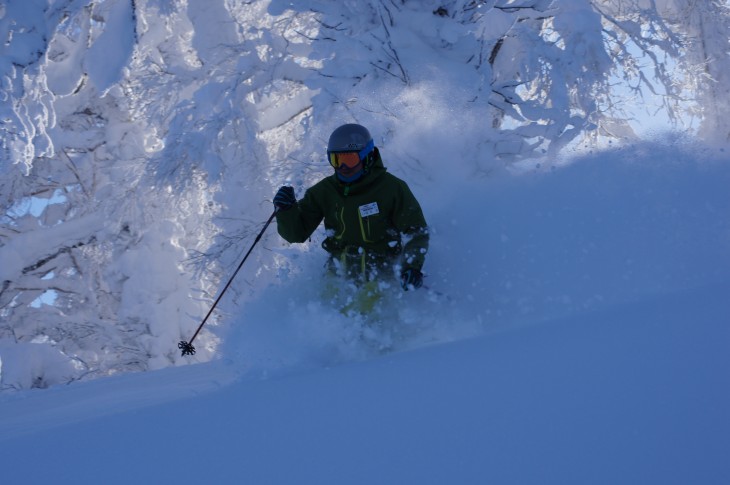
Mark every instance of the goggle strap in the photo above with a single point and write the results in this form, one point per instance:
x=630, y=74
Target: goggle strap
x=368, y=148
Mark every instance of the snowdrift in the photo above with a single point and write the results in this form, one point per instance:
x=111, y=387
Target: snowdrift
x=583, y=340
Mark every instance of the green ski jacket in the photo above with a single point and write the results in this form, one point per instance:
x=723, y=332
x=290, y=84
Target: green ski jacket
x=371, y=224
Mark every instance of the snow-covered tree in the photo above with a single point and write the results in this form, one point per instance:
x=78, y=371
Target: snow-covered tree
x=142, y=139
x=705, y=26
x=89, y=251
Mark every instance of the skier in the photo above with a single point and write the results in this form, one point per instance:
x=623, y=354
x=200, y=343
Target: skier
x=375, y=228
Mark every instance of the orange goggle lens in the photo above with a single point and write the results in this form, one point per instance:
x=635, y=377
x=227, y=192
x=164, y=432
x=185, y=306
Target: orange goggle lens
x=348, y=159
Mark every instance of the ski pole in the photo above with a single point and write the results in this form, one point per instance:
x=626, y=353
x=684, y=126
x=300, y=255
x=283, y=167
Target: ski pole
x=187, y=347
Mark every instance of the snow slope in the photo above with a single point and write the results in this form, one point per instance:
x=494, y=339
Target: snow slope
x=579, y=335
x=632, y=395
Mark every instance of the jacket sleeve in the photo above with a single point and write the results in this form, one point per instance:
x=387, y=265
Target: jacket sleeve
x=409, y=220
x=297, y=224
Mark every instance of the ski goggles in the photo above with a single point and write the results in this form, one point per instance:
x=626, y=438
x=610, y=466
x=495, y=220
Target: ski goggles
x=349, y=159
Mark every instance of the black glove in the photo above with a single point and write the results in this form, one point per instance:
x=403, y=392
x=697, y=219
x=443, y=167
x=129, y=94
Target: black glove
x=411, y=277
x=285, y=198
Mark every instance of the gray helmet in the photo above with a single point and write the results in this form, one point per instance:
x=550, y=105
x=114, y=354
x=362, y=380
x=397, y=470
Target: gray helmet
x=351, y=138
